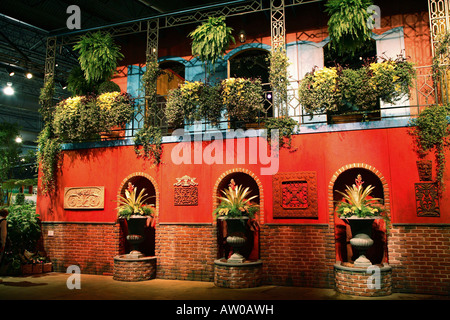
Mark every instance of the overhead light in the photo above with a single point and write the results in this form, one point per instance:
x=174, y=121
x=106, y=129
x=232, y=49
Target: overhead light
x=242, y=36
x=18, y=139
x=10, y=71
x=29, y=75
x=8, y=90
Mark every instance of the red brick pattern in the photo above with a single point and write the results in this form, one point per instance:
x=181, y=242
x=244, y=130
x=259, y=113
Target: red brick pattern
x=137, y=270
x=91, y=246
x=355, y=283
x=420, y=258
x=186, y=251
x=298, y=255
x=238, y=277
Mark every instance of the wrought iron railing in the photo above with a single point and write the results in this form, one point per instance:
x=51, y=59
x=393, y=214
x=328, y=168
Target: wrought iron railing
x=422, y=94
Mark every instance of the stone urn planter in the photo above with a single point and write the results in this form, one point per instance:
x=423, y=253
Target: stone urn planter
x=361, y=238
x=236, y=228
x=136, y=234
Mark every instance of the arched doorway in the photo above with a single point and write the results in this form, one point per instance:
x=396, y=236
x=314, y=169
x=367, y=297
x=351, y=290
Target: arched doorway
x=246, y=179
x=141, y=181
x=377, y=254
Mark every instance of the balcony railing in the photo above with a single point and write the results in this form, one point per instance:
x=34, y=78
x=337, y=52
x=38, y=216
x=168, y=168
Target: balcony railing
x=423, y=94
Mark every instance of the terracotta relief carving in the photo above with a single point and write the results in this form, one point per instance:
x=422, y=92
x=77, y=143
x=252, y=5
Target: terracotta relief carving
x=427, y=199
x=84, y=198
x=295, y=195
x=186, y=191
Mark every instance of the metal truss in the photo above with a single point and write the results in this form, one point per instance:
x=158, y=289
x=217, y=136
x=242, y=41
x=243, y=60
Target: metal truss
x=439, y=21
x=278, y=30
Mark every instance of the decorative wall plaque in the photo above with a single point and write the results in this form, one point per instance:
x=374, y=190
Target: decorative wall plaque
x=186, y=191
x=86, y=198
x=295, y=195
x=427, y=199
x=425, y=169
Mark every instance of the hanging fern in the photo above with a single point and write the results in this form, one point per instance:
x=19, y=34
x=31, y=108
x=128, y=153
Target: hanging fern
x=210, y=40
x=347, y=25
x=98, y=56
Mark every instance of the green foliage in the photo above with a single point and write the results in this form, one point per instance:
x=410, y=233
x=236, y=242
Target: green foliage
x=278, y=78
x=150, y=139
x=356, y=94
x=242, y=98
x=430, y=132
x=108, y=86
x=83, y=118
x=77, y=83
x=77, y=119
x=9, y=149
x=98, y=56
x=48, y=156
x=285, y=126
x=20, y=199
x=347, y=25
x=319, y=91
x=46, y=99
x=194, y=101
x=210, y=40
x=341, y=89
x=23, y=227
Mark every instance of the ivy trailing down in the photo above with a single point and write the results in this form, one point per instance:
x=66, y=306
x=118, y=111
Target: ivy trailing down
x=430, y=129
x=150, y=139
x=48, y=156
x=431, y=133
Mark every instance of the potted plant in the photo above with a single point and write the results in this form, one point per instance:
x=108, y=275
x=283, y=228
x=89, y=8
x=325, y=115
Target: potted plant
x=210, y=40
x=116, y=110
x=236, y=209
x=359, y=210
x=137, y=213
x=347, y=25
x=243, y=99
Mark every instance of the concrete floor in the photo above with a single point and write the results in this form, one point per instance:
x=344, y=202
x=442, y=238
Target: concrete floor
x=53, y=286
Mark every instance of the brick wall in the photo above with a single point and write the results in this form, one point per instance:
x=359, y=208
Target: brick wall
x=186, y=251
x=91, y=246
x=420, y=258
x=298, y=255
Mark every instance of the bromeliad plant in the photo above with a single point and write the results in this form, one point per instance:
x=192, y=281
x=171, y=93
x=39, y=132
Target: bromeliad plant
x=357, y=202
x=133, y=204
x=235, y=204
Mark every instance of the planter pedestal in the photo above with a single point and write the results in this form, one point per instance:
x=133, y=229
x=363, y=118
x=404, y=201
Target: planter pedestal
x=375, y=281
x=131, y=269
x=237, y=275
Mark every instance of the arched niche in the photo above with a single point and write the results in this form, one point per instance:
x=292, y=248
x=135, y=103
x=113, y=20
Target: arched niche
x=346, y=177
x=142, y=180
x=248, y=179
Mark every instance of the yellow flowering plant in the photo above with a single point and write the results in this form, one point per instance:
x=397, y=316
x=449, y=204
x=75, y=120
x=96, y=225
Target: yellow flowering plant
x=319, y=91
x=391, y=79
x=243, y=98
